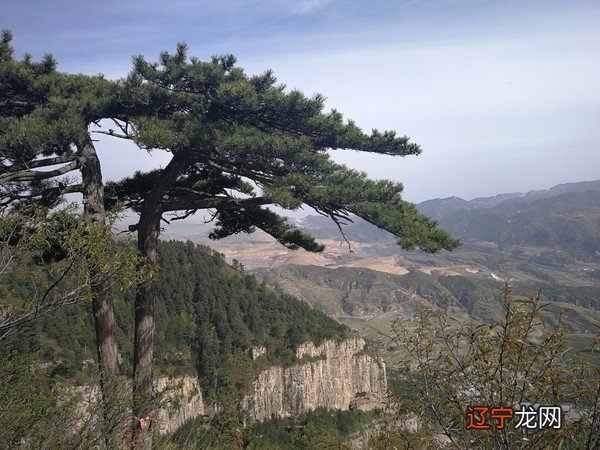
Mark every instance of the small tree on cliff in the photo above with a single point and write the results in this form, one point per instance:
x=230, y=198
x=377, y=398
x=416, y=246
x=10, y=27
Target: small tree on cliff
x=240, y=143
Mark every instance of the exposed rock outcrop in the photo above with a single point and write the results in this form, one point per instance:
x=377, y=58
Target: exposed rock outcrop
x=331, y=375
x=254, y=353
x=182, y=399
x=335, y=374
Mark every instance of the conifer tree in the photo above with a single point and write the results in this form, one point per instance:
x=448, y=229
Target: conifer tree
x=46, y=152
x=241, y=143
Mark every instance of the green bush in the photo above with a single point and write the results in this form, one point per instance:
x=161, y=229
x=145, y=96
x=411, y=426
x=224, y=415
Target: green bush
x=521, y=360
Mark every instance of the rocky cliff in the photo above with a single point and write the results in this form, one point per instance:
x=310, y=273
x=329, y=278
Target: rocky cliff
x=335, y=374
x=331, y=375
x=182, y=399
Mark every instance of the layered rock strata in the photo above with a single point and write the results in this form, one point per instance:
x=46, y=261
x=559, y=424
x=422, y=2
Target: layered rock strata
x=335, y=374
x=182, y=401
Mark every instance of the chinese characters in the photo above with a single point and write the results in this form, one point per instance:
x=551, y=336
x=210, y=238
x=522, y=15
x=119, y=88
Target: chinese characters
x=529, y=417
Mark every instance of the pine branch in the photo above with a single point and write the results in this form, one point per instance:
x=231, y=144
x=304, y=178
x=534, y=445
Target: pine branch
x=33, y=175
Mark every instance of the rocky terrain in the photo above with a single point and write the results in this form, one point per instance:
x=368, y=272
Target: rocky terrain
x=545, y=242
x=331, y=375
x=336, y=375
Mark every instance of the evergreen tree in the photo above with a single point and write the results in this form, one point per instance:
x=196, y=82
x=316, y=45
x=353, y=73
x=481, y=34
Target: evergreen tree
x=44, y=121
x=240, y=143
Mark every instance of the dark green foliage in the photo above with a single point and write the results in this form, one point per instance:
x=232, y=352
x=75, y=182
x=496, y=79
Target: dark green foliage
x=208, y=316
x=44, y=111
x=225, y=313
x=241, y=142
x=233, y=221
x=44, y=120
x=317, y=429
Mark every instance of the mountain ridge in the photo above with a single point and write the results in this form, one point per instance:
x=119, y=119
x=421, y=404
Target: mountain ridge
x=493, y=200
x=565, y=217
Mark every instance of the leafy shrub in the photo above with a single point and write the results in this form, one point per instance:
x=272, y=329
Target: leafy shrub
x=521, y=360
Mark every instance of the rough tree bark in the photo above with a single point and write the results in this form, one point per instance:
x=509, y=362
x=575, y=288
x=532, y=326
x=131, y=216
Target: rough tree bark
x=102, y=298
x=148, y=230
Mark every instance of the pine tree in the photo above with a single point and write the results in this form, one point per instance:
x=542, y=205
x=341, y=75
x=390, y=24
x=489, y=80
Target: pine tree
x=239, y=144
x=44, y=121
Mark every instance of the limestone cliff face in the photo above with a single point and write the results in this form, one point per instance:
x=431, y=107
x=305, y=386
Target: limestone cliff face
x=182, y=402
x=335, y=374
x=330, y=375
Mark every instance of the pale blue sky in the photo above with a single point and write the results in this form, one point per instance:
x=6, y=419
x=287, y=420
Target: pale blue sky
x=503, y=96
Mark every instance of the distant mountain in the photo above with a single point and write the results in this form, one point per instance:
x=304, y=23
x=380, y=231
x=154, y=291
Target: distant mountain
x=370, y=301
x=565, y=217
x=445, y=205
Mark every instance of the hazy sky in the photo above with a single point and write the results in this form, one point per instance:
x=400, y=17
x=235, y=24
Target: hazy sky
x=503, y=96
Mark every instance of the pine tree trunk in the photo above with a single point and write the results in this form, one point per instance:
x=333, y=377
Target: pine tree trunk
x=102, y=299
x=143, y=352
